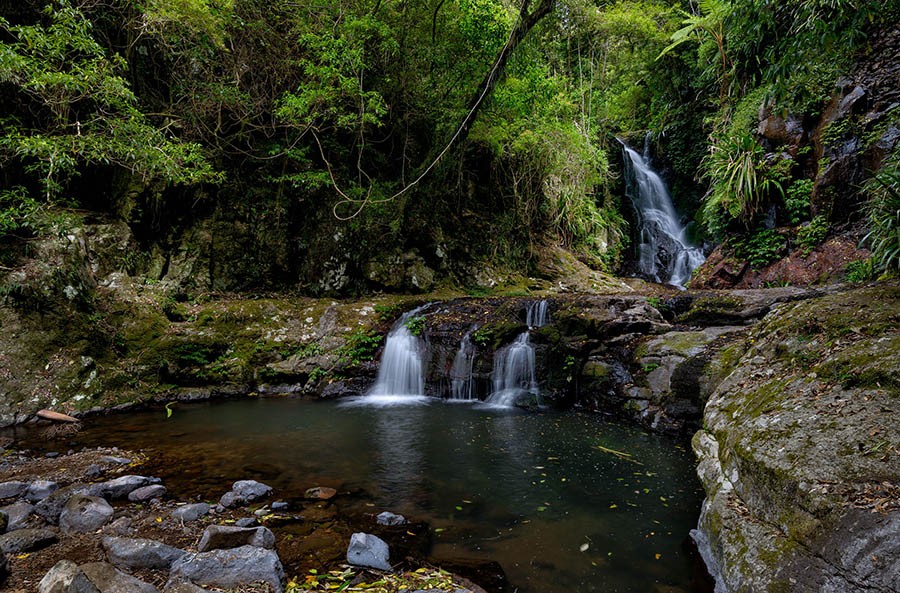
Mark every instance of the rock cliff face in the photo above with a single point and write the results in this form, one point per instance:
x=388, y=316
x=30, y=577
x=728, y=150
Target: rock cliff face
x=800, y=451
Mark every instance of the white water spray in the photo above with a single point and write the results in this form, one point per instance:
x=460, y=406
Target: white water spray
x=402, y=369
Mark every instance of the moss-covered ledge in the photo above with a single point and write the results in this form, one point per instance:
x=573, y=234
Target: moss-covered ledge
x=800, y=451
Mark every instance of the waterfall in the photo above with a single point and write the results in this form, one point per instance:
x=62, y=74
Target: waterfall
x=462, y=385
x=402, y=370
x=513, y=372
x=664, y=253
x=537, y=314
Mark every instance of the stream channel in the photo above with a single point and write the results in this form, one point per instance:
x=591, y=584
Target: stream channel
x=540, y=493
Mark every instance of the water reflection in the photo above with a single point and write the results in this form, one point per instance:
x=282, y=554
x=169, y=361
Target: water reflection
x=526, y=490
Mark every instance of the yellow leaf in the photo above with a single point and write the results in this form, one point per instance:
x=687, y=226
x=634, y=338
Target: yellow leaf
x=658, y=556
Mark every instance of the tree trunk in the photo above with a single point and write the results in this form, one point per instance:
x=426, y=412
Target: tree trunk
x=526, y=21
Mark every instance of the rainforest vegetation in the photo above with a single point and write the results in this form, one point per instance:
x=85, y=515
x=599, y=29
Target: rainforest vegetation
x=355, y=134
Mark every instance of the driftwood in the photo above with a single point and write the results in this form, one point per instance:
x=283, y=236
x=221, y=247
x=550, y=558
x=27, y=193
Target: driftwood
x=56, y=416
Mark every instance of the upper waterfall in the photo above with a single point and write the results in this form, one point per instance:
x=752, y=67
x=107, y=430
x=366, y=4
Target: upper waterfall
x=664, y=253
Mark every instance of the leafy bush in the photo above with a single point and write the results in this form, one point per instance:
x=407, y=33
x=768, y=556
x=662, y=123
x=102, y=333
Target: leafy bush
x=416, y=325
x=861, y=271
x=796, y=200
x=812, y=234
x=742, y=181
x=883, y=209
x=759, y=248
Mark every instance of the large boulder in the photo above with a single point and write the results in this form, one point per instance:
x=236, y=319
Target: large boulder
x=83, y=514
x=230, y=568
x=40, y=489
x=798, y=455
x=129, y=553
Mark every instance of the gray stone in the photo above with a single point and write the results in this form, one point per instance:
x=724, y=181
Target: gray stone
x=117, y=460
x=246, y=522
x=40, y=489
x=26, y=540
x=119, y=487
x=51, y=507
x=66, y=577
x=129, y=553
x=147, y=493
x=388, y=518
x=217, y=537
x=191, y=512
x=251, y=490
x=368, y=550
x=230, y=500
x=108, y=579
x=279, y=506
x=12, y=489
x=243, y=492
x=230, y=568
x=83, y=514
x=17, y=514
x=93, y=470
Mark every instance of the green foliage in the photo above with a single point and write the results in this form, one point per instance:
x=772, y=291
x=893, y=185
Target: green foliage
x=483, y=337
x=759, y=248
x=797, y=199
x=416, y=325
x=73, y=109
x=743, y=181
x=360, y=346
x=811, y=235
x=861, y=271
x=883, y=209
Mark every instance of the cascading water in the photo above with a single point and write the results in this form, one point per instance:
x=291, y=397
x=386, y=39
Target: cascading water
x=513, y=374
x=537, y=314
x=462, y=384
x=402, y=369
x=664, y=253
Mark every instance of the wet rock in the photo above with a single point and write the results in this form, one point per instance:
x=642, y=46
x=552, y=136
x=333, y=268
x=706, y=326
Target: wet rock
x=320, y=493
x=244, y=492
x=140, y=553
x=280, y=506
x=388, y=518
x=218, y=537
x=230, y=568
x=66, y=577
x=26, y=540
x=83, y=514
x=191, y=512
x=246, y=522
x=17, y=515
x=368, y=550
x=119, y=487
x=40, y=489
x=116, y=460
x=147, y=493
x=13, y=489
x=108, y=579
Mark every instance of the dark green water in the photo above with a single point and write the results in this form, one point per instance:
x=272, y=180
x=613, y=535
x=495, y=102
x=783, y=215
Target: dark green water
x=527, y=490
